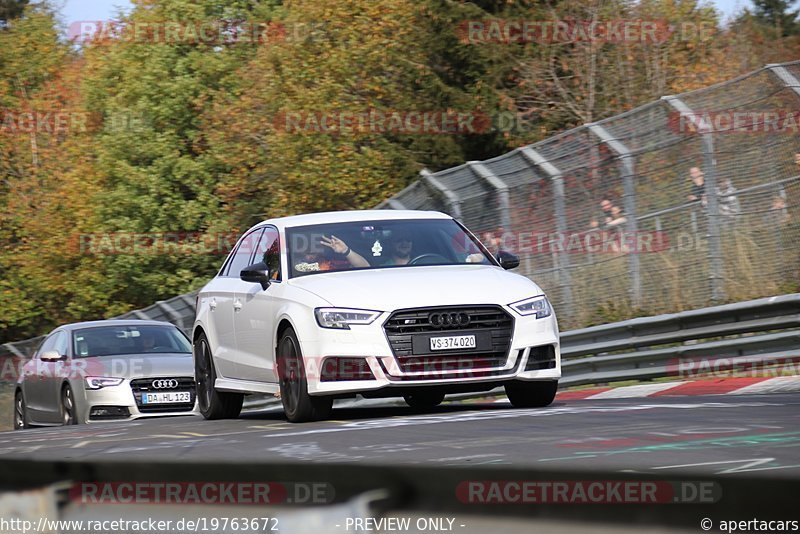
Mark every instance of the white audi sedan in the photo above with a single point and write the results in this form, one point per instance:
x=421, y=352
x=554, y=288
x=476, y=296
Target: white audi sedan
x=378, y=303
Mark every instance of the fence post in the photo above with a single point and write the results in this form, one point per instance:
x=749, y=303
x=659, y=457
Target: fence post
x=628, y=172
x=787, y=78
x=453, y=202
x=395, y=204
x=565, y=276
x=501, y=189
x=712, y=205
x=13, y=350
x=176, y=318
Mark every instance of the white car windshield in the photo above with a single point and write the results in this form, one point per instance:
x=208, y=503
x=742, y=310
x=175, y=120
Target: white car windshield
x=381, y=244
x=117, y=340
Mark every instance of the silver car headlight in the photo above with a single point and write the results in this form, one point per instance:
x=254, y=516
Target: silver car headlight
x=343, y=318
x=539, y=306
x=99, y=382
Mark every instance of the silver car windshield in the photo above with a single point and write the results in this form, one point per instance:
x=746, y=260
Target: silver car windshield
x=381, y=244
x=117, y=340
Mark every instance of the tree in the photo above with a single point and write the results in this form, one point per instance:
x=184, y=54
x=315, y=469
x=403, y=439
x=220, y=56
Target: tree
x=156, y=175
x=367, y=56
x=776, y=14
x=11, y=9
x=33, y=218
x=570, y=79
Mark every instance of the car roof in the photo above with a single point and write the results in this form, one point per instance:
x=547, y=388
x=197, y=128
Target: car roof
x=352, y=216
x=113, y=322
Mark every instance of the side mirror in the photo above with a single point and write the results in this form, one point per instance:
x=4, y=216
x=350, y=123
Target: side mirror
x=507, y=260
x=51, y=356
x=258, y=273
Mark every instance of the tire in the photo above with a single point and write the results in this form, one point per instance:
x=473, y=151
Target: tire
x=20, y=412
x=213, y=404
x=531, y=394
x=298, y=405
x=69, y=415
x=424, y=399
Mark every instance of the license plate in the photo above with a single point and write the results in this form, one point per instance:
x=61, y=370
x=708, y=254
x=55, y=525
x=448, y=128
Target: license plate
x=453, y=342
x=167, y=397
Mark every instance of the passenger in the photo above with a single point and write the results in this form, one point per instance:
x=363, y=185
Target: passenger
x=340, y=247
x=317, y=261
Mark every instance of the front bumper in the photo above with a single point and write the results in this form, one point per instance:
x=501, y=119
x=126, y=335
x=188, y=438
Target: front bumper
x=533, y=354
x=124, y=402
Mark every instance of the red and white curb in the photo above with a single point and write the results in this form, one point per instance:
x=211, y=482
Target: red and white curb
x=720, y=386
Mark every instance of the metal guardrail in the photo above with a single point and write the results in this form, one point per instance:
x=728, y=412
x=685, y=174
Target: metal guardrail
x=750, y=332
x=755, y=331
x=177, y=310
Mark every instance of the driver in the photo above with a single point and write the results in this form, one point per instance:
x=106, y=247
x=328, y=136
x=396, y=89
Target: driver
x=148, y=343
x=400, y=246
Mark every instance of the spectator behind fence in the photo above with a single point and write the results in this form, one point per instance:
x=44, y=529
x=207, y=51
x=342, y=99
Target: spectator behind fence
x=605, y=215
x=492, y=241
x=698, y=191
x=778, y=214
x=616, y=218
x=728, y=201
x=797, y=161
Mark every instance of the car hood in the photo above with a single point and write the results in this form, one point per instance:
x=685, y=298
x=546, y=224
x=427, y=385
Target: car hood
x=137, y=365
x=408, y=287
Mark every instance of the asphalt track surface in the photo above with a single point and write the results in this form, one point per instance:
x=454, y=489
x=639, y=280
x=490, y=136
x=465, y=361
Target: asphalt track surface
x=715, y=434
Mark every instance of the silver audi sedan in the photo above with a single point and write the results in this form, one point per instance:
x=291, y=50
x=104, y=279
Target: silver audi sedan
x=105, y=371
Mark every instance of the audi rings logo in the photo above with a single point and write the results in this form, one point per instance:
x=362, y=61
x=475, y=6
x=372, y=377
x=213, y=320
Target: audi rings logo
x=445, y=319
x=165, y=383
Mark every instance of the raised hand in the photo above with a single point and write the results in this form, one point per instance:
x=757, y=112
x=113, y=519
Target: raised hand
x=335, y=244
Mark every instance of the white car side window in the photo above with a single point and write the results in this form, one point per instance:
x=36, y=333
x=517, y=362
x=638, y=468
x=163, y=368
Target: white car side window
x=47, y=344
x=243, y=254
x=61, y=344
x=269, y=251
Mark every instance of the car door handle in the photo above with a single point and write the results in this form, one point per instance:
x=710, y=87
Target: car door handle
x=213, y=304
x=237, y=305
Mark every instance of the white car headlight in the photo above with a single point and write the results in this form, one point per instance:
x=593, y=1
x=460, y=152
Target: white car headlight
x=98, y=382
x=344, y=317
x=539, y=306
